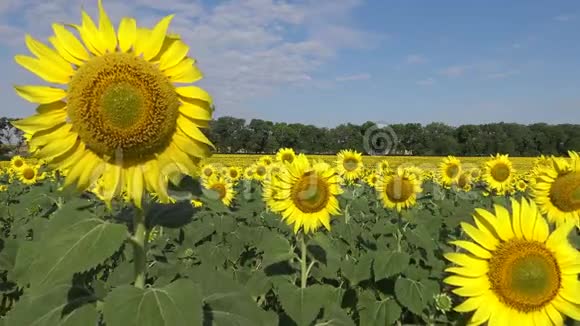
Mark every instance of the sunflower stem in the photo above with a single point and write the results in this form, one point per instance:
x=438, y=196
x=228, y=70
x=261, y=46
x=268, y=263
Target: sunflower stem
x=303, y=268
x=139, y=248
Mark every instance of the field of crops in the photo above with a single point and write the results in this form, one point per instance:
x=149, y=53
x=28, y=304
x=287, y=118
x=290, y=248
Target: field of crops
x=394, y=245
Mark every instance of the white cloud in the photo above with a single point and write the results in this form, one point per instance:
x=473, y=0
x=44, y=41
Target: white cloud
x=502, y=74
x=454, y=71
x=426, y=82
x=356, y=77
x=245, y=48
x=564, y=18
x=415, y=59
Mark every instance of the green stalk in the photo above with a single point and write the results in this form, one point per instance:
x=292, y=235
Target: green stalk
x=303, y=270
x=139, y=248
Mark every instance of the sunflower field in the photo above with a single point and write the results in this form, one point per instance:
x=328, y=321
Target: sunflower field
x=119, y=214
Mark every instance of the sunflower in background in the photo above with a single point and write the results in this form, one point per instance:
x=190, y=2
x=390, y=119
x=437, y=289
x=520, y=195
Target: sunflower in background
x=372, y=179
x=305, y=194
x=208, y=170
x=117, y=115
x=17, y=162
x=383, y=167
x=556, y=190
x=30, y=174
x=285, y=155
x=221, y=189
x=260, y=171
x=234, y=173
x=449, y=171
x=266, y=160
x=498, y=174
x=249, y=173
x=515, y=272
x=464, y=181
x=399, y=190
x=349, y=165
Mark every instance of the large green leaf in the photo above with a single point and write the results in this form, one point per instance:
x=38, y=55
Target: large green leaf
x=177, y=304
x=48, y=307
x=276, y=248
x=73, y=242
x=226, y=302
x=359, y=271
x=378, y=313
x=389, y=263
x=412, y=294
x=302, y=305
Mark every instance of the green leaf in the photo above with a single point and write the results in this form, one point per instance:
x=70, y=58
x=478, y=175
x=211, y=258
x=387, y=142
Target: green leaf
x=420, y=237
x=378, y=313
x=411, y=294
x=276, y=249
x=302, y=305
x=8, y=253
x=227, y=302
x=46, y=308
x=359, y=271
x=389, y=263
x=177, y=304
x=71, y=245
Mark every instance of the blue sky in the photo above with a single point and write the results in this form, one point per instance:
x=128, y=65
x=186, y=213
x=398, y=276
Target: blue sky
x=327, y=62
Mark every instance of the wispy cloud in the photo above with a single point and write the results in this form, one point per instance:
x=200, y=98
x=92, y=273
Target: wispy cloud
x=415, y=59
x=242, y=46
x=455, y=70
x=426, y=82
x=356, y=77
x=564, y=17
x=502, y=74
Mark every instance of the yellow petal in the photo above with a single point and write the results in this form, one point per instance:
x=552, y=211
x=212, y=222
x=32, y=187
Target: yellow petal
x=43, y=121
x=566, y=307
x=570, y=289
x=468, y=271
x=51, y=135
x=195, y=111
x=70, y=158
x=516, y=219
x=77, y=170
x=184, y=72
x=540, y=318
x=477, y=287
x=560, y=235
x=155, y=180
x=541, y=229
x=57, y=148
x=111, y=181
x=40, y=94
x=486, y=218
x=127, y=33
x=465, y=260
x=70, y=43
x=173, y=55
x=90, y=34
x=190, y=129
x=504, y=225
x=45, y=53
x=136, y=180
x=63, y=52
x=141, y=38
x=554, y=315
x=190, y=146
x=470, y=304
x=155, y=42
x=528, y=220
x=44, y=69
x=106, y=30
x=484, y=311
x=472, y=248
x=194, y=92
x=92, y=171
x=484, y=239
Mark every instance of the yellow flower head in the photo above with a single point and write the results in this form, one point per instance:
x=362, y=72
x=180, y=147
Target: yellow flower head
x=285, y=155
x=449, y=171
x=515, y=271
x=305, y=194
x=349, y=165
x=116, y=113
x=399, y=190
x=221, y=188
x=498, y=174
x=17, y=163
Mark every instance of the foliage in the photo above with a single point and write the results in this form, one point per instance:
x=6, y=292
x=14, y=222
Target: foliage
x=66, y=259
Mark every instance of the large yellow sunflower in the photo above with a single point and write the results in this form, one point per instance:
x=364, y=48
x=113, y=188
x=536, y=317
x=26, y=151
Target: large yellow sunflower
x=449, y=171
x=556, y=190
x=515, y=272
x=118, y=115
x=305, y=194
x=30, y=174
x=234, y=173
x=349, y=164
x=498, y=174
x=398, y=190
x=222, y=187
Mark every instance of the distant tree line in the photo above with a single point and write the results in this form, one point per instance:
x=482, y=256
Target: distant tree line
x=235, y=135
